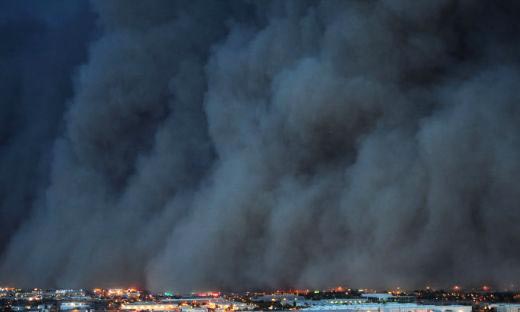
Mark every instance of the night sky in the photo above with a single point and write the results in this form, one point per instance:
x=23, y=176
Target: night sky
x=235, y=145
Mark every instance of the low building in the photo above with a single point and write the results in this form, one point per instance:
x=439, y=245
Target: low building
x=336, y=301
x=150, y=306
x=193, y=309
x=377, y=297
x=74, y=305
x=506, y=307
x=391, y=307
x=283, y=299
x=386, y=297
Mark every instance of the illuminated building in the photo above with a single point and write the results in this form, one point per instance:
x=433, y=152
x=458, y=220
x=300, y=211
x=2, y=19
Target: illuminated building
x=74, y=305
x=507, y=307
x=193, y=309
x=149, y=306
x=336, y=301
x=391, y=307
x=283, y=299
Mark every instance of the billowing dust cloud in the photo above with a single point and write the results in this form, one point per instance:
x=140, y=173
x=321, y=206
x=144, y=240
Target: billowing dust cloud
x=249, y=144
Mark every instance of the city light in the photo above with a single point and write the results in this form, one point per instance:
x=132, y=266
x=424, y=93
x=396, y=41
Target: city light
x=339, y=298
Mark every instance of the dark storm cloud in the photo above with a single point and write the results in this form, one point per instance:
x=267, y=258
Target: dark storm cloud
x=253, y=144
x=37, y=58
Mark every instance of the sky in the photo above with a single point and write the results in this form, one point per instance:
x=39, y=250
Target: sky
x=232, y=145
